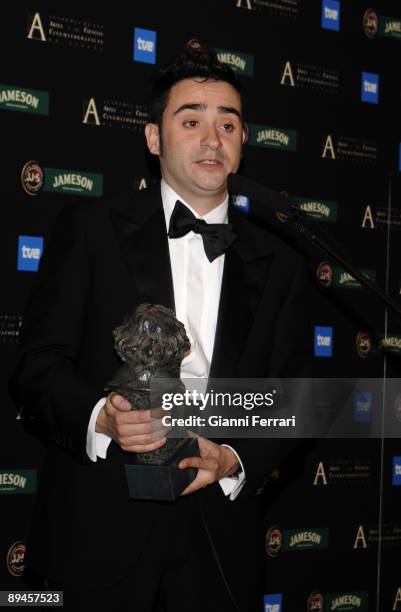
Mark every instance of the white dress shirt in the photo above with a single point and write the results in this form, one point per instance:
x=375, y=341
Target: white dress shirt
x=197, y=287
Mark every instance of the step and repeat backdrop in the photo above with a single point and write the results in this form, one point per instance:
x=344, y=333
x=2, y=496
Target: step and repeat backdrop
x=323, y=83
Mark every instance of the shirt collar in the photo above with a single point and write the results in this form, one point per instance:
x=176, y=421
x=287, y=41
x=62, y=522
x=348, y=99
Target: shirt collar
x=169, y=198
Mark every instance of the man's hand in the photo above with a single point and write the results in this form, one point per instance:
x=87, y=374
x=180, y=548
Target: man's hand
x=136, y=431
x=215, y=462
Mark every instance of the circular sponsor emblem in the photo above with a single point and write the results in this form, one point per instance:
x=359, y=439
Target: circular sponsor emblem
x=315, y=602
x=274, y=541
x=397, y=407
x=370, y=23
x=364, y=344
x=15, y=558
x=324, y=274
x=32, y=178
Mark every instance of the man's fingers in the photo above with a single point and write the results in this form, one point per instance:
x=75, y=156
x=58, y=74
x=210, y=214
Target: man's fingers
x=148, y=438
x=124, y=429
x=144, y=448
x=202, y=480
x=206, y=463
x=119, y=402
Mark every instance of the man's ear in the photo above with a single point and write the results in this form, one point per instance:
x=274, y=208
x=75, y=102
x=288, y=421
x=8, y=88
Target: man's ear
x=153, y=138
x=245, y=133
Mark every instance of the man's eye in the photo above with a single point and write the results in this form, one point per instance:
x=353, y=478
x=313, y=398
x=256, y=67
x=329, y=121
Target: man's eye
x=228, y=127
x=191, y=123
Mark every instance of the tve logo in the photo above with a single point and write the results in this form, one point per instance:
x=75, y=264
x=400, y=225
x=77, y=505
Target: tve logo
x=323, y=341
x=363, y=407
x=241, y=202
x=331, y=15
x=370, y=87
x=30, y=249
x=144, y=46
x=273, y=603
x=397, y=471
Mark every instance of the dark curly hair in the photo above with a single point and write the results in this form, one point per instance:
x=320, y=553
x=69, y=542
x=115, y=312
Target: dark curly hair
x=196, y=60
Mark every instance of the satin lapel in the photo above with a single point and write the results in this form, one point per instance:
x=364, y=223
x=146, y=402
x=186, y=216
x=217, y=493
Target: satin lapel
x=141, y=231
x=246, y=268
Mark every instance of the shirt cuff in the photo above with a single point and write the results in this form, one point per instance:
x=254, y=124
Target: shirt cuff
x=96, y=442
x=232, y=486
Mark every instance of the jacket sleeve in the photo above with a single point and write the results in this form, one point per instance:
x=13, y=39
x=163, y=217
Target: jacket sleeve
x=45, y=383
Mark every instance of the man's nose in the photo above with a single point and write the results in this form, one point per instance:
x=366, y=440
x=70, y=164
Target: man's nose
x=210, y=138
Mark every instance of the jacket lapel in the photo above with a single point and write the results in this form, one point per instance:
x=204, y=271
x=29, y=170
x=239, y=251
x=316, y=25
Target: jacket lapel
x=141, y=230
x=246, y=267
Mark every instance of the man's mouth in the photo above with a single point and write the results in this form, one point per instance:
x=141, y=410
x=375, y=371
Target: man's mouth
x=209, y=162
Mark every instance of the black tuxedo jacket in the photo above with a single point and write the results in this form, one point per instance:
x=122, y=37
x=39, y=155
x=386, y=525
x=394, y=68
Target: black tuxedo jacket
x=106, y=257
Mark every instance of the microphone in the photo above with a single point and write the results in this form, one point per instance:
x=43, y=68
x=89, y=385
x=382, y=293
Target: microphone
x=280, y=202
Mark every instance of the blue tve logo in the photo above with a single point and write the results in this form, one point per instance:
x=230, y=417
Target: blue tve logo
x=144, y=46
x=241, y=202
x=273, y=603
x=397, y=471
x=30, y=249
x=370, y=87
x=363, y=407
x=331, y=15
x=323, y=341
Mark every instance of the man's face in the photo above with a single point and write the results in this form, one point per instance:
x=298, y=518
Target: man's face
x=202, y=134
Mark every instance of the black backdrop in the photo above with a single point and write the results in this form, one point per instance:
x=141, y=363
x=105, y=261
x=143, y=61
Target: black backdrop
x=311, y=135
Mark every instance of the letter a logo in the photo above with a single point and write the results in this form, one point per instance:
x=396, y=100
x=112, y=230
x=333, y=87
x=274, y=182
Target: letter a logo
x=320, y=477
x=360, y=540
x=368, y=218
x=91, y=115
x=287, y=78
x=397, y=600
x=36, y=27
x=328, y=150
x=247, y=3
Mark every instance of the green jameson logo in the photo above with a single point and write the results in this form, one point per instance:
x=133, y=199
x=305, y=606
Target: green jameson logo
x=342, y=278
x=73, y=182
x=390, y=27
x=392, y=344
x=273, y=137
x=241, y=63
x=24, y=100
x=17, y=481
x=301, y=539
x=323, y=210
x=342, y=602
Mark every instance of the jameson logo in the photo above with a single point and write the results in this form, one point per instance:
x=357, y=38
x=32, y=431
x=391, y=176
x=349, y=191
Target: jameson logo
x=390, y=27
x=71, y=182
x=323, y=210
x=342, y=602
x=301, y=539
x=373, y=24
x=391, y=344
x=343, y=279
x=32, y=101
x=17, y=481
x=273, y=137
x=242, y=63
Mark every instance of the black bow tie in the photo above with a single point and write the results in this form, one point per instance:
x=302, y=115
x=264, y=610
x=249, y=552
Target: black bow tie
x=217, y=237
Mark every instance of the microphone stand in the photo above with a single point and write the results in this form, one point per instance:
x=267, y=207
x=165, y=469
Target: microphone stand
x=303, y=224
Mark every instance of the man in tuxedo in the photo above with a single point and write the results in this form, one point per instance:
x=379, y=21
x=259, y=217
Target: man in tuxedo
x=242, y=298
